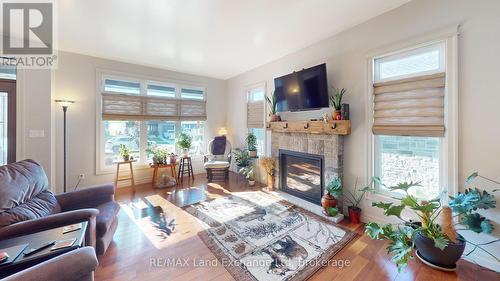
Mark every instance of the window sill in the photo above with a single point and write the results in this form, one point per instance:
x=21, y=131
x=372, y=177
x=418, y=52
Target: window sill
x=108, y=170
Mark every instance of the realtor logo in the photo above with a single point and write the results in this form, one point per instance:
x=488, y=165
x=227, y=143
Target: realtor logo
x=28, y=34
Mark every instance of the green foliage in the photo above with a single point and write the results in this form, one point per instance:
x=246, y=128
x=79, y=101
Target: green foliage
x=334, y=187
x=477, y=223
x=272, y=103
x=354, y=198
x=336, y=98
x=248, y=172
x=124, y=151
x=159, y=154
x=184, y=141
x=465, y=204
x=441, y=242
x=252, y=142
x=241, y=157
x=389, y=208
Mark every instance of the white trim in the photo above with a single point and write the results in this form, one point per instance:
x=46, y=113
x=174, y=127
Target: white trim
x=449, y=144
x=249, y=88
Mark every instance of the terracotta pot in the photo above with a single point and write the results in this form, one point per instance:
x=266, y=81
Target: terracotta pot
x=252, y=154
x=354, y=214
x=275, y=118
x=328, y=201
x=270, y=183
x=126, y=158
x=336, y=115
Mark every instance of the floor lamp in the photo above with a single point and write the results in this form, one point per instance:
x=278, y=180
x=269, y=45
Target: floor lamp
x=64, y=104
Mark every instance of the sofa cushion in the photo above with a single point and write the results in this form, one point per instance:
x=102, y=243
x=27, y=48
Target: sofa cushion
x=216, y=164
x=24, y=193
x=107, y=214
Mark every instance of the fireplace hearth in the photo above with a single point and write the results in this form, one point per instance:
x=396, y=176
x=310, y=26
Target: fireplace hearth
x=302, y=175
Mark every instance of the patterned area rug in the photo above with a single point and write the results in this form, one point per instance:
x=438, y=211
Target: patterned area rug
x=257, y=236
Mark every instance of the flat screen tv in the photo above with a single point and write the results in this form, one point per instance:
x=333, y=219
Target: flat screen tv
x=302, y=90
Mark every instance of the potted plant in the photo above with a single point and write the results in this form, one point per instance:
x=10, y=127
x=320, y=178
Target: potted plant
x=354, y=199
x=172, y=158
x=252, y=145
x=272, y=102
x=333, y=191
x=124, y=152
x=336, y=102
x=249, y=174
x=184, y=143
x=241, y=158
x=438, y=244
x=269, y=163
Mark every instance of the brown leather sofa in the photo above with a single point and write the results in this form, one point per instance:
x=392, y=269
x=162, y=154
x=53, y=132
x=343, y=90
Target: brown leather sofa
x=27, y=206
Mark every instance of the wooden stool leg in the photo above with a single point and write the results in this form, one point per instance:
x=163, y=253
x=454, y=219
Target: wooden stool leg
x=117, y=174
x=132, y=175
x=191, y=167
x=155, y=175
x=176, y=177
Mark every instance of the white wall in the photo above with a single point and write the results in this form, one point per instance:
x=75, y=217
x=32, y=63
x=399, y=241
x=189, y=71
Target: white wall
x=75, y=79
x=346, y=53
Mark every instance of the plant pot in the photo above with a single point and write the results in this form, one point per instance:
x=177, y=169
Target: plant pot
x=172, y=159
x=251, y=182
x=252, y=153
x=354, y=214
x=126, y=158
x=185, y=152
x=328, y=201
x=336, y=115
x=445, y=259
x=274, y=118
x=270, y=183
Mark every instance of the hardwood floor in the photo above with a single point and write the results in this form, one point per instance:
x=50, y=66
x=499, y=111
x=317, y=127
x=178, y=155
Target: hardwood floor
x=132, y=256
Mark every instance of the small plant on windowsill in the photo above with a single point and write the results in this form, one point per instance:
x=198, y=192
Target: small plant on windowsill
x=438, y=244
x=184, y=143
x=124, y=152
x=252, y=145
x=354, y=199
x=333, y=192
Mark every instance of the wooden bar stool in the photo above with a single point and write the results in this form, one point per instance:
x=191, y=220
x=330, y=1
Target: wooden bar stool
x=126, y=178
x=185, y=168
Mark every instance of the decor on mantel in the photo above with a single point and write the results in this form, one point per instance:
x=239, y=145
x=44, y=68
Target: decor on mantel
x=354, y=199
x=269, y=165
x=252, y=145
x=64, y=104
x=272, y=102
x=336, y=102
x=437, y=244
x=333, y=127
x=261, y=237
x=329, y=200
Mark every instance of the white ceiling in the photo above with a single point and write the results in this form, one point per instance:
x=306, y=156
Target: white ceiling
x=215, y=38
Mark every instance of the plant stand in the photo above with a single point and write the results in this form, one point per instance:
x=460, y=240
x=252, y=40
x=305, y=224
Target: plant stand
x=185, y=167
x=125, y=178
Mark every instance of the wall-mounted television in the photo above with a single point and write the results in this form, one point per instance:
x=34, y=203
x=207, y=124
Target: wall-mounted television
x=302, y=90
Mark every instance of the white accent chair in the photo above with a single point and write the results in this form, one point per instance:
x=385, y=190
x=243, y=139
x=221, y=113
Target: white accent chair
x=217, y=166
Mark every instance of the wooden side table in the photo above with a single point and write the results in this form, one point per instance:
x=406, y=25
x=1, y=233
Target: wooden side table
x=156, y=167
x=130, y=177
x=185, y=167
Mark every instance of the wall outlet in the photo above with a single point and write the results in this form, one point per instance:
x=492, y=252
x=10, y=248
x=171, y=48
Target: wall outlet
x=81, y=176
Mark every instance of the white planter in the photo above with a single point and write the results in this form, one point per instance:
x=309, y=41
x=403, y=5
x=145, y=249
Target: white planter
x=251, y=183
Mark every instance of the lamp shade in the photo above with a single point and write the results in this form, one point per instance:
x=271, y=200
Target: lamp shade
x=222, y=131
x=64, y=103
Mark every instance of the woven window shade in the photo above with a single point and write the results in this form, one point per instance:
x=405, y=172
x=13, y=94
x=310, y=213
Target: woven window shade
x=255, y=114
x=135, y=107
x=410, y=107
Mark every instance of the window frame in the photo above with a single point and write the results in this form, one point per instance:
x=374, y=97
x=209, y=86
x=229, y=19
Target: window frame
x=449, y=143
x=144, y=81
x=248, y=90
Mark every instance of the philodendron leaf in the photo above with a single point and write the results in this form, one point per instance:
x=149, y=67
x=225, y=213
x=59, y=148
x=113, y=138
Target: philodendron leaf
x=410, y=201
x=486, y=226
x=471, y=178
x=485, y=201
x=404, y=186
x=381, y=205
x=464, y=202
x=374, y=231
x=473, y=222
x=440, y=242
x=389, y=209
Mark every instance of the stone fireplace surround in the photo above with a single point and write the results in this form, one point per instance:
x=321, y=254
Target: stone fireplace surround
x=329, y=145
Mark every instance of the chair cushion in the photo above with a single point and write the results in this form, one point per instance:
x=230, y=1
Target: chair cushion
x=24, y=193
x=107, y=214
x=216, y=164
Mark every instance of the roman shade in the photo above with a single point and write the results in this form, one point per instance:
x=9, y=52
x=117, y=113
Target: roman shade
x=255, y=114
x=410, y=107
x=139, y=107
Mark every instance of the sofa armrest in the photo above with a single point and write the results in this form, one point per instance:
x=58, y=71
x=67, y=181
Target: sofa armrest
x=78, y=264
x=49, y=222
x=86, y=198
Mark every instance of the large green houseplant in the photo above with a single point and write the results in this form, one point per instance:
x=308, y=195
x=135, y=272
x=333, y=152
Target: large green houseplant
x=433, y=234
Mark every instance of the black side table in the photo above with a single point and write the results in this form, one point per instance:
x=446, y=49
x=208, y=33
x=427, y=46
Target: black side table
x=185, y=168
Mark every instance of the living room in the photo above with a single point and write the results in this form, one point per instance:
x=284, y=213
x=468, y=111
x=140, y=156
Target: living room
x=263, y=140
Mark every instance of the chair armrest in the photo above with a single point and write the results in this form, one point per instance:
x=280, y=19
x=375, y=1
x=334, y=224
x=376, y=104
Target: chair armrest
x=78, y=264
x=207, y=157
x=48, y=222
x=86, y=198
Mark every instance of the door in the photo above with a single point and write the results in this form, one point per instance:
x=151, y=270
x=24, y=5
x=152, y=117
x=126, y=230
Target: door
x=7, y=121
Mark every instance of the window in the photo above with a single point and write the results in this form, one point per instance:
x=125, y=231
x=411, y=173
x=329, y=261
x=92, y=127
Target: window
x=255, y=115
x=142, y=114
x=409, y=119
